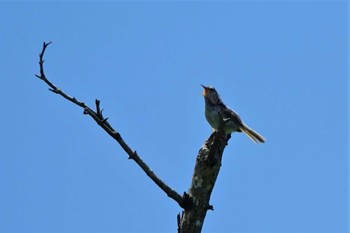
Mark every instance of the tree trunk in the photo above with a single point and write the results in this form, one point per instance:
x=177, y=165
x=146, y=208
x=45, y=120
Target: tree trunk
x=206, y=170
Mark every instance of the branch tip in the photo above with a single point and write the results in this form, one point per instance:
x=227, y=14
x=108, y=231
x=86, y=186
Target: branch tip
x=98, y=110
x=46, y=44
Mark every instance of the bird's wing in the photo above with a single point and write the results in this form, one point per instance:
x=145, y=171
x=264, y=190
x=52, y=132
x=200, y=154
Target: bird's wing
x=228, y=113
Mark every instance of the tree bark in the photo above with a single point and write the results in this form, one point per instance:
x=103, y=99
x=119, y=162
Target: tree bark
x=205, y=173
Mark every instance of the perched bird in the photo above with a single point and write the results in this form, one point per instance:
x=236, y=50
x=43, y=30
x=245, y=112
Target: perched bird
x=216, y=109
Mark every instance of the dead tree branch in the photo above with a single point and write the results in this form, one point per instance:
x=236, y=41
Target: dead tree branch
x=205, y=173
x=183, y=201
x=196, y=202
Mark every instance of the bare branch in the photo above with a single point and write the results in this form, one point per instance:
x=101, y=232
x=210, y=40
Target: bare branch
x=196, y=202
x=183, y=201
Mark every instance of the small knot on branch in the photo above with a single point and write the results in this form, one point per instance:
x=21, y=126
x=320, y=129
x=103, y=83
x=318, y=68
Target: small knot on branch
x=133, y=155
x=55, y=90
x=86, y=110
x=187, y=202
x=210, y=207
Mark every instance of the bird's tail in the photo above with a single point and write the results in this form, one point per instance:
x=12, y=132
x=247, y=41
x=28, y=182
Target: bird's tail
x=257, y=138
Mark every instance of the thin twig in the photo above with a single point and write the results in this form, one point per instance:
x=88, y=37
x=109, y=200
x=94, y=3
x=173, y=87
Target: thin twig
x=184, y=201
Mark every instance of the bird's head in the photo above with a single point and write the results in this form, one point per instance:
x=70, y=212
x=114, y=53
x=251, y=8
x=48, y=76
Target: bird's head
x=210, y=94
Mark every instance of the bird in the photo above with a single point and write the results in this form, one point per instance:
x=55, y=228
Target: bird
x=216, y=109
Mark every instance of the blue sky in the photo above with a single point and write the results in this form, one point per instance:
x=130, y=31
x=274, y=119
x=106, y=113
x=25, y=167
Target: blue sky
x=281, y=65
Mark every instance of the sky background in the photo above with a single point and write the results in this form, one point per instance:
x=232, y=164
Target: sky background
x=282, y=66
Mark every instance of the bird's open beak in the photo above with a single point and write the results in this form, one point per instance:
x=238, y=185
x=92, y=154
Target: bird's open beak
x=205, y=90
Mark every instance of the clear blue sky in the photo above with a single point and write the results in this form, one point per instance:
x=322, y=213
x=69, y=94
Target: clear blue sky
x=281, y=65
